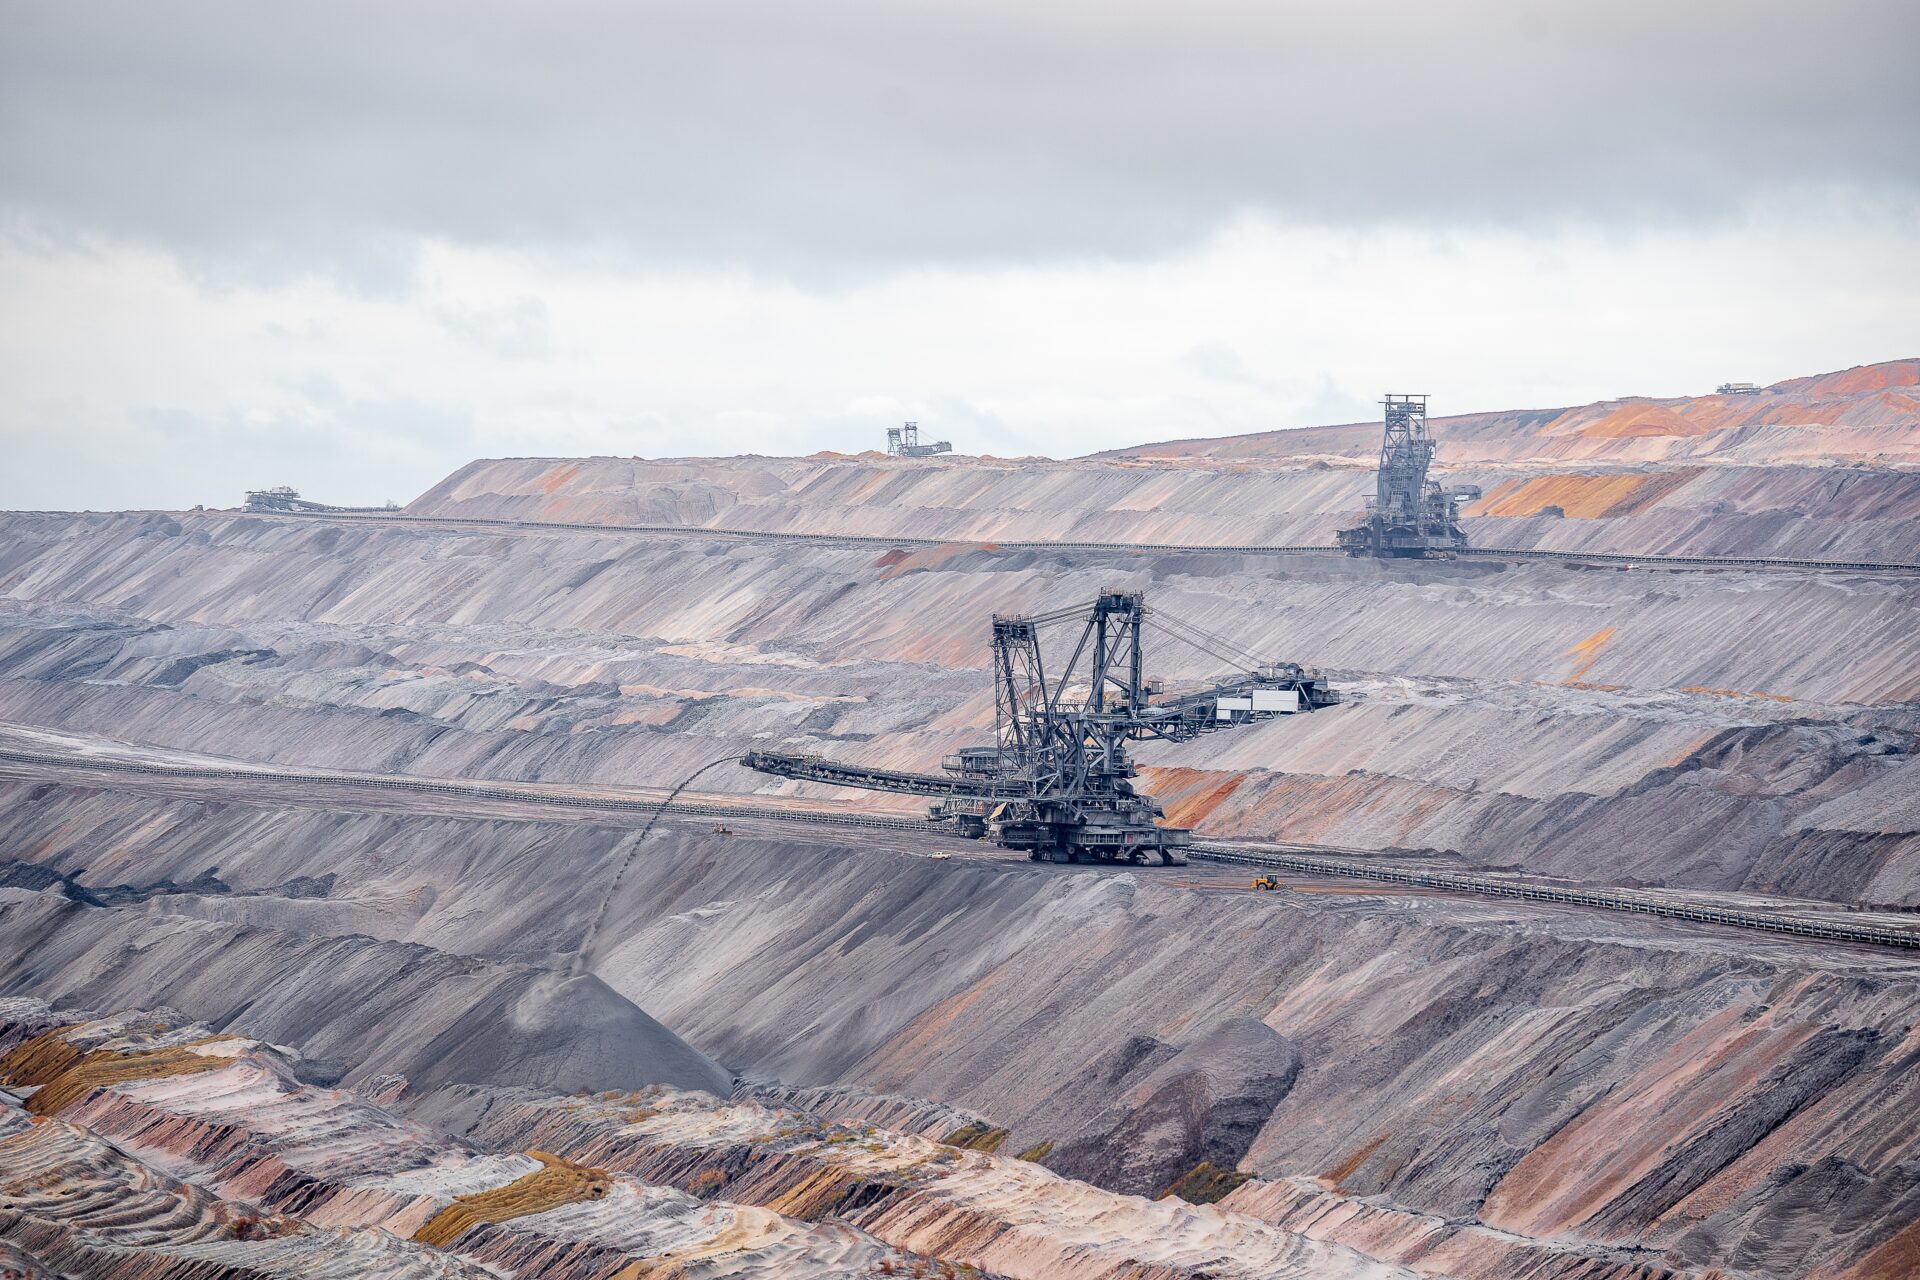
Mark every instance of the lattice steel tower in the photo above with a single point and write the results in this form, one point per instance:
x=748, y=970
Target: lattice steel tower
x=1409, y=514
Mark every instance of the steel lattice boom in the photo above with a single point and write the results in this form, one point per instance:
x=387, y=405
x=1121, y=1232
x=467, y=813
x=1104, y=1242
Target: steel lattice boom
x=1058, y=781
x=1409, y=515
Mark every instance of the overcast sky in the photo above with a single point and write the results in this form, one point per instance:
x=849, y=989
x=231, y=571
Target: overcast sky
x=350, y=247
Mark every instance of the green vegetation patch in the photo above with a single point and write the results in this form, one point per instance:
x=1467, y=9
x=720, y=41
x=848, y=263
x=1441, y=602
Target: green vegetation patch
x=1205, y=1183
x=978, y=1136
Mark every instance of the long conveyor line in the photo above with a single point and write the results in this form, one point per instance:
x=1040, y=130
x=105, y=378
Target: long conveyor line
x=476, y=790
x=1247, y=855
x=1604, y=899
x=1479, y=553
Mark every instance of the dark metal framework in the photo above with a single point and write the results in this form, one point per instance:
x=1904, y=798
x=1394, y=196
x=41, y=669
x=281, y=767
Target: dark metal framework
x=1409, y=514
x=903, y=441
x=1058, y=781
x=287, y=498
x=281, y=497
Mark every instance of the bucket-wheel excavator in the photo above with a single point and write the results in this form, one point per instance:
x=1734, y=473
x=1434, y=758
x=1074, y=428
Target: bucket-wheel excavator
x=1058, y=782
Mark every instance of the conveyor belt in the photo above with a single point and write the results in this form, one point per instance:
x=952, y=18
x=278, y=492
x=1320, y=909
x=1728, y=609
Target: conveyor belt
x=1604, y=899
x=1243, y=854
x=1266, y=549
x=475, y=790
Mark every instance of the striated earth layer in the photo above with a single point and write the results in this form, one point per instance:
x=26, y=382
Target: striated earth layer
x=1811, y=468
x=1746, y=730
x=146, y=1145
x=1452, y=1085
x=1456, y=1085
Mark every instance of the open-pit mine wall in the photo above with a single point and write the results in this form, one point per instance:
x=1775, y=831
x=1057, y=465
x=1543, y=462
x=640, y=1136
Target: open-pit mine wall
x=1486, y=1075
x=140, y=1145
x=1604, y=1085
x=1599, y=724
x=1801, y=512
x=1811, y=469
x=1862, y=415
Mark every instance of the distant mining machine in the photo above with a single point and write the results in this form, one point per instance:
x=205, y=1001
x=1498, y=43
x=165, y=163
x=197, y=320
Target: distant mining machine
x=1058, y=782
x=284, y=498
x=903, y=441
x=281, y=497
x=1409, y=514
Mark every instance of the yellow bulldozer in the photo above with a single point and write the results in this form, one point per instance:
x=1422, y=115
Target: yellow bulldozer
x=1266, y=882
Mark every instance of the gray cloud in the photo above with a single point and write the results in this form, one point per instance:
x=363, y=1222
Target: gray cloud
x=801, y=139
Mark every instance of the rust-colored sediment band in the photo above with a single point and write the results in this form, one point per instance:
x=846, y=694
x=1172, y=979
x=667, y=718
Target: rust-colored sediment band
x=555, y=1183
x=69, y=1083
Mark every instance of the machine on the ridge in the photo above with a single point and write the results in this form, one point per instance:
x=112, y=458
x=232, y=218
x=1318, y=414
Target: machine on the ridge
x=1057, y=782
x=903, y=441
x=1409, y=515
x=281, y=497
x=285, y=499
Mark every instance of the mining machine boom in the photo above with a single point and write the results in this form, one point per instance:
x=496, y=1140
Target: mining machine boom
x=1058, y=782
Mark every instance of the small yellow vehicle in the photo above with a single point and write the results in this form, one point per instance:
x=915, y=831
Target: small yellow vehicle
x=1266, y=882
x=722, y=829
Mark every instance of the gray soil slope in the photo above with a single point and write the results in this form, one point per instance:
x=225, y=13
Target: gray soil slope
x=1551, y=1073
x=1675, y=1094
x=1597, y=724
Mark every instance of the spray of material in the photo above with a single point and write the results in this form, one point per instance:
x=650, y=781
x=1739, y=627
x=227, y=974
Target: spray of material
x=583, y=962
